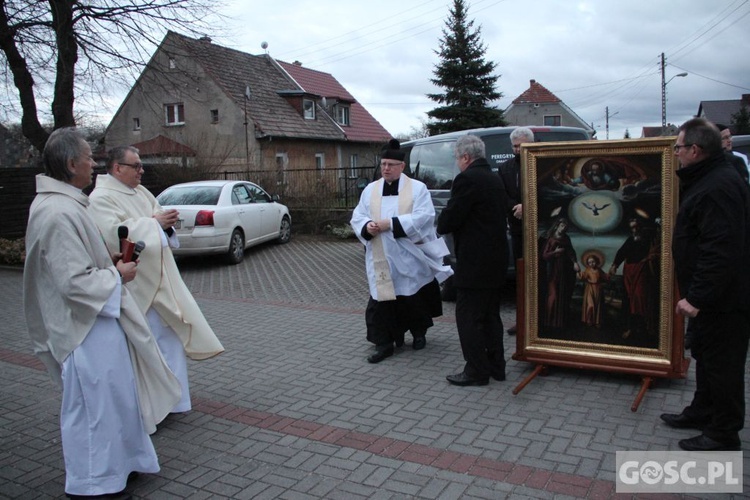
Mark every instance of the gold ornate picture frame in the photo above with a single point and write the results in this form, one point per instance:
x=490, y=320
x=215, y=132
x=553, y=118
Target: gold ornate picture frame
x=596, y=284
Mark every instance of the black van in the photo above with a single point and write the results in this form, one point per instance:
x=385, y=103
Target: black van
x=432, y=161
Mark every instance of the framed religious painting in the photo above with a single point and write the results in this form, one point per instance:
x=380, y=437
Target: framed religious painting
x=597, y=289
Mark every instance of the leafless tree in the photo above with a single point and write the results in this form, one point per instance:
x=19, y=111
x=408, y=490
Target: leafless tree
x=64, y=50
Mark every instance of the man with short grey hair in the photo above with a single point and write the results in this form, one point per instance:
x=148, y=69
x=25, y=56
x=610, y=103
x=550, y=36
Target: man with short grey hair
x=89, y=332
x=475, y=215
x=510, y=171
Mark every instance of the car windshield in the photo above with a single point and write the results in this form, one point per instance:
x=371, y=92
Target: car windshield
x=190, y=195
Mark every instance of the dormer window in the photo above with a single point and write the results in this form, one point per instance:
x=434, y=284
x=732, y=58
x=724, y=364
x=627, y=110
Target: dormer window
x=342, y=114
x=308, y=109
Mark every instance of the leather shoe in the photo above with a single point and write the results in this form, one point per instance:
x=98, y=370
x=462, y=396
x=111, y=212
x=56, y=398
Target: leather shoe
x=399, y=340
x=512, y=330
x=499, y=377
x=680, y=421
x=705, y=443
x=462, y=379
x=380, y=355
x=419, y=343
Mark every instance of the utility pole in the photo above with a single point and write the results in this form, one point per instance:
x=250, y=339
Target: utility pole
x=663, y=97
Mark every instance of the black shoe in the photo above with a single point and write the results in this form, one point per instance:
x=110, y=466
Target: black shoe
x=462, y=379
x=499, y=377
x=399, y=340
x=512, y=330
x=705, y=443
x=380, y=355
x=680, y=421
x=419, y=343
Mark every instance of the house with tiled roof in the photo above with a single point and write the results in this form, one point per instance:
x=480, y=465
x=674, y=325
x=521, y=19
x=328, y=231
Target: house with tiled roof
x=721, y=111
x=539, y=107
x=243, y=110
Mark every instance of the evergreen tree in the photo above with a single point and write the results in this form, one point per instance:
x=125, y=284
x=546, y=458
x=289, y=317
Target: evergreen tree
x=466, y=77
x=741, y=121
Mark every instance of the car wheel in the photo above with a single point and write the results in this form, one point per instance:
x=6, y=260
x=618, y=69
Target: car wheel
x=236, y=247
x=285, y=230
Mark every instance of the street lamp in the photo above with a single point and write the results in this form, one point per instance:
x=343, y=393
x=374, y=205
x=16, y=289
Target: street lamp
x=607, y=119
x=664, y=97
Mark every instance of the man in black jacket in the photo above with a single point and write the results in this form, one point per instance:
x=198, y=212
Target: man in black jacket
x=711, y=249
x=475, y=214
x=510, y=171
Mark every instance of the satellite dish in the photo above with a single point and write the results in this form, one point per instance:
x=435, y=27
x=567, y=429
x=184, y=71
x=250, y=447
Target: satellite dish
x=264, y=45
x=324, y=102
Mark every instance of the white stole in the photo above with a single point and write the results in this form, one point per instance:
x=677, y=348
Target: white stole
x=383, y=280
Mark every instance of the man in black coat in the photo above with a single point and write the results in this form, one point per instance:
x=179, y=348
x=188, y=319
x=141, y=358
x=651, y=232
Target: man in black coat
x=711, y=250
x=475, y=214
x=510, y=171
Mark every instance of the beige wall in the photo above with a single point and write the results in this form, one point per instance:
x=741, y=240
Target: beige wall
x=533, y=114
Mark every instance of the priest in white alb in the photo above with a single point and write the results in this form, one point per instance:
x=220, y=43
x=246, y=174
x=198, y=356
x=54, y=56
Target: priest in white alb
x=395, y=221
x=89, y=332
x=175, y=319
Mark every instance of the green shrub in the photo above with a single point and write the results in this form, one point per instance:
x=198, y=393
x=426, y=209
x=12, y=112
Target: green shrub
x=12, y=252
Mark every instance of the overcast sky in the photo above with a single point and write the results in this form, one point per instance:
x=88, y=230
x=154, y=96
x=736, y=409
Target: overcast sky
x=591, y=54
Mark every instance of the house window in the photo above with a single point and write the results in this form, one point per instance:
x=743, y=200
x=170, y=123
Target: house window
x=136, y=123
x=214, y=116
x=342, y=115
x=281, y=162
x=308, y=108
x=552, y=120
x=174, y=114
x=353, y=166
x=172, y=63
x=320, y=160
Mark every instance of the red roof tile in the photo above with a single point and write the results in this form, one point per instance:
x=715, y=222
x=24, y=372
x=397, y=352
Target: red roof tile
x=364, y=127
x=536, y=93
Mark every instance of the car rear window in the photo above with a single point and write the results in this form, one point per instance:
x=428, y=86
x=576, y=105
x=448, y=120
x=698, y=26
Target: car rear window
x=190, y=195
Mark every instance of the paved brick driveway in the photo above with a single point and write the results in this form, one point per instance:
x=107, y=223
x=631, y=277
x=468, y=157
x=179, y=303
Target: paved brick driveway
x=292, y=410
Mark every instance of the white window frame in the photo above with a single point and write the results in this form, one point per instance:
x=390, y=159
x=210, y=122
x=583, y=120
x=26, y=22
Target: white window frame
x=308, y=109
x=214, y=116
x=172, y=63
x=343, y=114
x=353, y=160
x=320, y=161
x=172, y=113
x=136, y=124
x=282, y=161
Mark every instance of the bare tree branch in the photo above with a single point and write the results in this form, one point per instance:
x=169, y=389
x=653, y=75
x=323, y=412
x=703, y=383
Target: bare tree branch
x=84, y=47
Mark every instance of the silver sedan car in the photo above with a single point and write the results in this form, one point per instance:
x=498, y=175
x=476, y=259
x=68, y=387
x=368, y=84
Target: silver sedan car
x=225, y=217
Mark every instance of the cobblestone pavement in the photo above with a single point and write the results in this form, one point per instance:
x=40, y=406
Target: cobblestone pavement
x=292, y=410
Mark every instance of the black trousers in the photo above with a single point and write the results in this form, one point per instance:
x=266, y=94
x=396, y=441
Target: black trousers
x=389, y=320
x=719, y=347
x=480, y=331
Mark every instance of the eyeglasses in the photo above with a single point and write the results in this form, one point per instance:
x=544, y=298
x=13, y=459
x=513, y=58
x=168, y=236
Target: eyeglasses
x=137, y=166
x=677, y=147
